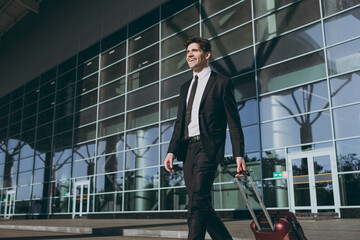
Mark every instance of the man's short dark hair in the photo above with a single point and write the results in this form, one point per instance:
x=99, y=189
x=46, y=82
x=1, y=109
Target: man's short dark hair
x=203, y=43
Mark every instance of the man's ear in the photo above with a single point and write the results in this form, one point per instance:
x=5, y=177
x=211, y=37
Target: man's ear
x=207, y=55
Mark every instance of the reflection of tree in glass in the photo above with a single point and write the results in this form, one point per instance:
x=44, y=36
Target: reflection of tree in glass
x=349, y=162
x=9, y=160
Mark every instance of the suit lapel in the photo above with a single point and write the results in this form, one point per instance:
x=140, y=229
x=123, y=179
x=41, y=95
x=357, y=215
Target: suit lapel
x=209, y=84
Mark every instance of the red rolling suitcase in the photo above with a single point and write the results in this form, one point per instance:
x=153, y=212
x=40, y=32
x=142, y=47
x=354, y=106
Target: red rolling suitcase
x=273, y=225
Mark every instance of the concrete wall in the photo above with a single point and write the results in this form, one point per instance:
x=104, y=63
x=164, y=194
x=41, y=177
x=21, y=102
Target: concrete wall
x=62, y=29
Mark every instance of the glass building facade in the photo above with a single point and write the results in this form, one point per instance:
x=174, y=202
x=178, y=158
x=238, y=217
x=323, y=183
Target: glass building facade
x=89, y=136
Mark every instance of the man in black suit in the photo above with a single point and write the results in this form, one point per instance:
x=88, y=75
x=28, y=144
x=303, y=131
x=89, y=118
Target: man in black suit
x=206, y=105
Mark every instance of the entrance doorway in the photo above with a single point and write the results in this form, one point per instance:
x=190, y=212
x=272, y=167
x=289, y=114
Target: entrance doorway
x=81, y=198
x=9, y=203
x=313, y=182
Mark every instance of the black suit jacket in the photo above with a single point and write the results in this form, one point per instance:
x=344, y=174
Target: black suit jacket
x=217, y=109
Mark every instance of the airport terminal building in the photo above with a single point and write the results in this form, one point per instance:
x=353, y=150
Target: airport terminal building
x=90, y=90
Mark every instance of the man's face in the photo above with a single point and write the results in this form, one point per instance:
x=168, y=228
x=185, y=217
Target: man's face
x=196, y=57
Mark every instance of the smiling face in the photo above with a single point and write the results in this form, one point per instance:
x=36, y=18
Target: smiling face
x=197, y=58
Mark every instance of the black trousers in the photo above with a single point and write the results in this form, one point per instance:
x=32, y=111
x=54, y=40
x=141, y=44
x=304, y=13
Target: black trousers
x=199, y=173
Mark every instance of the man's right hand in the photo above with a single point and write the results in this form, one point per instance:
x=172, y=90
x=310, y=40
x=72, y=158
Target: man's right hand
x=168, y=162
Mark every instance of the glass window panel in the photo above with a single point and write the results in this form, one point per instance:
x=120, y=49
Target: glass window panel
x=276, y=193
x=17, y=104
x=173, y=65
x=167, y=131
x=346, y=121
x=171, y=87
x=86, y=100
x=62, y=171
x=349, y=189
x=342, y=27
x=261, y=7
x=297, y=130
x=87, y=84
x=228, y=19
x=31, y=97
x=63, y=140
x=252, y=141
x=62, y=156
x=22, y=193
x=65, y=94
x=46, y=102
x=180, y=21
x=330, y=7
x=64, y=124
x=37, y=193
x=64, y=109
x=143, y=117
x=65, y=80
x=244, y=86
x=85, y=150
x=24, y=178
x=30, y=110
x=113, y=89
x=83, y=168
x=143, y=58
x=141, y=201
x=348, y=155
x=110, y=163
x=43, y=145
x=39, y=176
x=113, y=72
x=46, y=116
x=26, y=164
x=143, y=96
x=344, y=57
x=109, y=182
x=111, y=144
x=104, y=202
x=248, y=112
x=114, y=54
x=112, y=107
x=173, y=199
x=143, y=77
x=210, y=7
x=47, y=89
x=14, y=130
x=169, y=108
x=142, y=157
x=88, y=68
x=225, y=44
x=144, y=39
x=85, y=133
x=286, y=19
x=114, y=38
x=290, y=45
x=301, y=70
x=142, y=137
x=15, y=116
x=142, y=179
x=4, y=109
x=235, y=64
x=294, y=101
x=85, y=117
x=273, y=161
x=44, y=131
x=110, y=126
x=344, y=89
x=175, y=43
x=40, y=160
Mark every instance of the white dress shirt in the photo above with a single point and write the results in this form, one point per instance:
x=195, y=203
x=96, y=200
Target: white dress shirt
x=203, y=78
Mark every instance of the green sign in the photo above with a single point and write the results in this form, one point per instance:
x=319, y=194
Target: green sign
x=277, y=174
x=66, y=194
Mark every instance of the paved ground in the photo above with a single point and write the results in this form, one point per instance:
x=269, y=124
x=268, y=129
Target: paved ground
x=163, y=229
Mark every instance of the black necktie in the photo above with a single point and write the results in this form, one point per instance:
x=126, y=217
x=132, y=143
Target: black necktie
x=189, y=107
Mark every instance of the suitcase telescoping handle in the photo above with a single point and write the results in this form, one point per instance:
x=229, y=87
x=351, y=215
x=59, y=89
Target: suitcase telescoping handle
x=247, y=174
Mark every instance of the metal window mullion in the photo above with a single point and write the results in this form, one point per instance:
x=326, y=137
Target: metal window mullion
x=159, y=113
